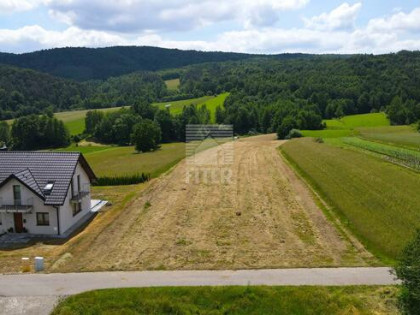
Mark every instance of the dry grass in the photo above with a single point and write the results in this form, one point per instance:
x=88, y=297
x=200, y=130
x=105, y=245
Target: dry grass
x=174, y=225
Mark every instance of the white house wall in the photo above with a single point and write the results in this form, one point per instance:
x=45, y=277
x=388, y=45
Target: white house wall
x=67, y=220
x=29, y=219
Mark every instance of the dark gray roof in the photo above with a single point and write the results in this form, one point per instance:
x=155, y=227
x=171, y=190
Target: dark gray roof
x=36, y=169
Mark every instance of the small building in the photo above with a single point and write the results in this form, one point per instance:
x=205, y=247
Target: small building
x=43, y=193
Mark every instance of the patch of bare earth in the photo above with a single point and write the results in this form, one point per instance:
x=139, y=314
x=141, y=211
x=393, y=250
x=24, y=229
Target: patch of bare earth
x=175, y=225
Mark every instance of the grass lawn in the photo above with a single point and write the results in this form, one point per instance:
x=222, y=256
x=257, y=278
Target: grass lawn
x=376, y=199
x=172, y=84
x=210, y=101
x=234, y=300
x=116, y=161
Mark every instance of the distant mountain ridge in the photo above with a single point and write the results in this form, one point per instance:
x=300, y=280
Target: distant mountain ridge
x=83, y=64
x=101, y=63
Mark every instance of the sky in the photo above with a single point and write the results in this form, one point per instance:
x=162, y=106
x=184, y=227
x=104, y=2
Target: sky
x=250, y=26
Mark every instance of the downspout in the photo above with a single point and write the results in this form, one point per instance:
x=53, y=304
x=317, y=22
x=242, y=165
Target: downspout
x=58, y=221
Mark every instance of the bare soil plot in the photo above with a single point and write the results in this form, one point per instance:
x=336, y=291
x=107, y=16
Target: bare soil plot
x=175, y=225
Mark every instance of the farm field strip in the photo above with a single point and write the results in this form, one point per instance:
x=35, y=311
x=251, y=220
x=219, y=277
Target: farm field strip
x=402, y=136
x=376, y=199
x=409, y=158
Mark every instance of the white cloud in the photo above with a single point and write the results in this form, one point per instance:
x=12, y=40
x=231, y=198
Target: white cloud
x=380, y=35
x=11, y=6
x=140, y=15
x=397, y=22
x=341, y=18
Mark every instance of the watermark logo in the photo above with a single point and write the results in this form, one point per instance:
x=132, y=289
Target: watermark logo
x=209, y=154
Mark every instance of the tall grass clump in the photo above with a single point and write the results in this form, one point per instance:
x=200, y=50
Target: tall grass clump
x=122, y=180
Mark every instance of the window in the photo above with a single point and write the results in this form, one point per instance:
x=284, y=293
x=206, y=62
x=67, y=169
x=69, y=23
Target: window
x=17, y=196
x=77, y=207
x=48, y=188
x=42, y=218
x=79, y=186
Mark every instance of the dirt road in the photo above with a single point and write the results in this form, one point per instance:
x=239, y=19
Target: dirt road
x=262, y=217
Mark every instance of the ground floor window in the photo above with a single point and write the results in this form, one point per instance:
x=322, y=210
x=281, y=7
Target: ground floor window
x=42, y=218
x=77, y=207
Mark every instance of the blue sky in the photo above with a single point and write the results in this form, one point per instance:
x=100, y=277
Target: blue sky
x=263, y=26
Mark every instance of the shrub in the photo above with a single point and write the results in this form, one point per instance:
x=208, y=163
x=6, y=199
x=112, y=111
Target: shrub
x=319, y=140
x=122, y=180
x=294, y=133
x=408, y=270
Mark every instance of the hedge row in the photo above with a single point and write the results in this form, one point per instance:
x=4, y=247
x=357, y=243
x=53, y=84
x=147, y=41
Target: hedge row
x=122, y=180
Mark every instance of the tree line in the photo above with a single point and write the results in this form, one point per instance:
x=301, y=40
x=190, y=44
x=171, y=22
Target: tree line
x=143, y=125
x=34, y=132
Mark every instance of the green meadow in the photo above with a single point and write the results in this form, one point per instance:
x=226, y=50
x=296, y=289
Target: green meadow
x=211, y=103
x=376, y=199
x=234, y=300
x=348, y=125
x=119, y=161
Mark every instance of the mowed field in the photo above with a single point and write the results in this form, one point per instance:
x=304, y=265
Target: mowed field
x=376, y=199
x=172, y=224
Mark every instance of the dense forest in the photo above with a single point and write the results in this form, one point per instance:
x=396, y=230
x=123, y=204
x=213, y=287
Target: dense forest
x=332, y=87
x=25, y=92
x=101, y=63
x=266, y=94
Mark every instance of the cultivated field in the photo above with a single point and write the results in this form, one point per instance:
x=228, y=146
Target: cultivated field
x=405, y=136
x=378, y=200
x=175, y=225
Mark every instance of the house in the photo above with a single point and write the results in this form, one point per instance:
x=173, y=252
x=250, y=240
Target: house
x=43, y=193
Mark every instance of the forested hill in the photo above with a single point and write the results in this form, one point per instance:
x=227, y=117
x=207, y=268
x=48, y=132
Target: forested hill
x=101, y=63
x=24, y=91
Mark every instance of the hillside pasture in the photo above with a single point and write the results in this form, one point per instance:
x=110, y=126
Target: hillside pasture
x=172, y=84
x=348, y=125
x=376, y=199
x=211, y=103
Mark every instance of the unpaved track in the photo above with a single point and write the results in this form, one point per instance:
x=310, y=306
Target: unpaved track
x=196, y=226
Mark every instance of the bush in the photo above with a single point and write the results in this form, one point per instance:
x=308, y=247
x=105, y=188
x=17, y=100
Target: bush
x=319, y=140
x=408, y=270
x=294, y=133
x=122, y=180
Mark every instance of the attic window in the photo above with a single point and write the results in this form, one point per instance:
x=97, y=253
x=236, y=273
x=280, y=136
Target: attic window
x=48, y=188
